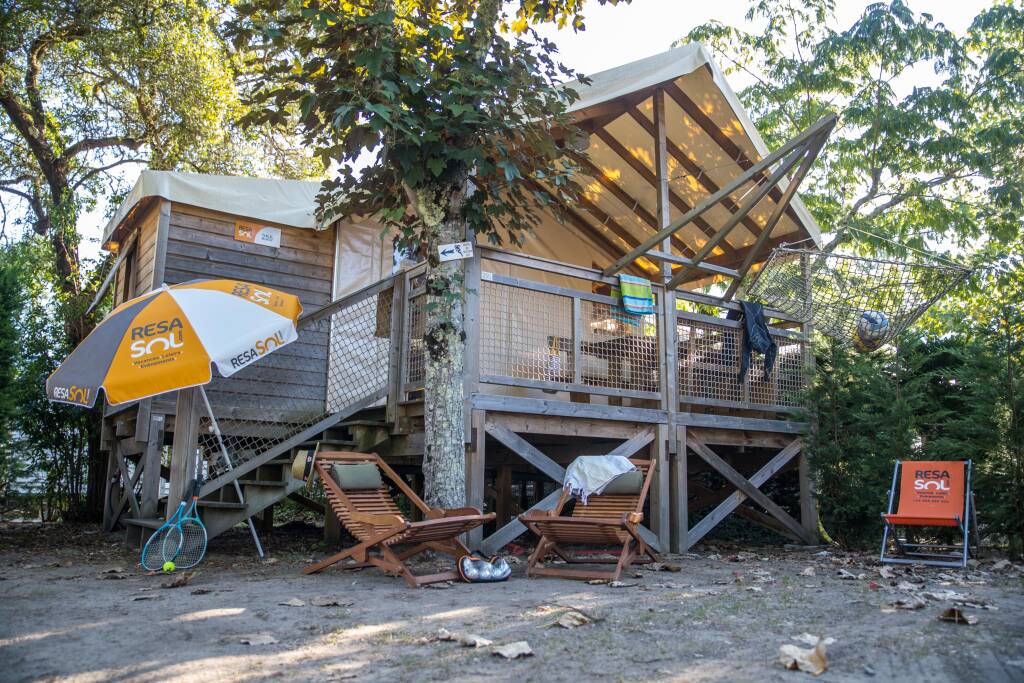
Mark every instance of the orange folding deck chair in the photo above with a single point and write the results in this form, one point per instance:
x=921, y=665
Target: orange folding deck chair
x=933, y=493
x=362, y=501
x=610, y=519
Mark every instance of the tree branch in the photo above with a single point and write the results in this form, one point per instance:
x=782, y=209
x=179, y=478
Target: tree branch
x=95, y=171
x=89, y=144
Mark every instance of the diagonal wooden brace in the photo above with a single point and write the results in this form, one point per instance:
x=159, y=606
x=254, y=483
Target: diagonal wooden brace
x=748, y=488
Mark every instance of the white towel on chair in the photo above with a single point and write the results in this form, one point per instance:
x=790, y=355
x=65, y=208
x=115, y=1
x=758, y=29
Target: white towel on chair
x=589, y=474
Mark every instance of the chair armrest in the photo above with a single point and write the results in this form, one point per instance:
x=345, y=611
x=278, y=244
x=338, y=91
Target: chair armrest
x=633, y=517
x=438, y=513
x=378, y=520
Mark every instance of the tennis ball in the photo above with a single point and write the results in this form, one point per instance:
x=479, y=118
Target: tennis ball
x=168, y=567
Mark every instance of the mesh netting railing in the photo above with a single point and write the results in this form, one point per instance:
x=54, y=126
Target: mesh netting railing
x=340, y=361
x=857, y=301
x=528, y=337
x=709, y=366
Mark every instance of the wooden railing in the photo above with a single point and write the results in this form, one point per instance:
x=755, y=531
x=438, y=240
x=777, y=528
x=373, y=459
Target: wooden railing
x=540, y=324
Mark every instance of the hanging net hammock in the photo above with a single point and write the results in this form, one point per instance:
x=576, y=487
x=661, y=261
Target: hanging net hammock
x=857, y=301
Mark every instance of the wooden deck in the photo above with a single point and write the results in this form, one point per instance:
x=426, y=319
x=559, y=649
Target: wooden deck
x=554, y=370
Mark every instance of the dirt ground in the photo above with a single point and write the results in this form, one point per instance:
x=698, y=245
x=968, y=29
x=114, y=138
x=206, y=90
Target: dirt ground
x=75, y=606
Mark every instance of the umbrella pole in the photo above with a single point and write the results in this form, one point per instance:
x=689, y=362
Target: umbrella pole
x=227, y=461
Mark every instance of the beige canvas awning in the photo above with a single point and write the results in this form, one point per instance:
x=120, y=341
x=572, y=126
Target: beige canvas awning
x=282, y=202
x=710, y=142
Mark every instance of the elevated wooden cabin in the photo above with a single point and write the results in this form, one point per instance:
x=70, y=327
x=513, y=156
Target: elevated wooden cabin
x=679, y=187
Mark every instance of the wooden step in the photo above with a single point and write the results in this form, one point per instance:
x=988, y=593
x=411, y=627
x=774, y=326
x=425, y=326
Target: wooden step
x=221, y=505
x=149, y=523
x=258, y=482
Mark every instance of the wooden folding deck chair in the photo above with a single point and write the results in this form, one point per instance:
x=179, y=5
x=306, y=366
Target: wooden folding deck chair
x=371, y=515
x=931, y=494
x=607, y=519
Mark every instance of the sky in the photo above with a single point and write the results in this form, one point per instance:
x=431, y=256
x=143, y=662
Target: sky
x=624, y=33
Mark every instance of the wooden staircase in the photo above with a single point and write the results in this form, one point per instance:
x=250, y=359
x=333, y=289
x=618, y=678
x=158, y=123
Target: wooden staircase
x=262, y=486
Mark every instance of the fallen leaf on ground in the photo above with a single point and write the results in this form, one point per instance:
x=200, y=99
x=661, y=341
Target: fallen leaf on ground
x=179, y=580
x=327, y=601
x=661, y=567
x=143, y=597
x=439, y=585
x=1001, y=565
x=942, y=596
x=887, y=572
x=597, y=582
x=957, y=617
x=811, y=639
x=622, y=584
x=850, y=576
x=905, y=586
x=293, y=602
x=270, y=560
x=812, y=660
x=754, y=589
x=520, y=648
x=463, y=639
x=808, y=571
x=257, y=639
x=572, y=619
x=201, y=591
x=910, y=602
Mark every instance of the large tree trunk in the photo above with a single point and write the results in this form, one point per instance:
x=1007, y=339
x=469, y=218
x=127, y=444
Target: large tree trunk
x=444, y=461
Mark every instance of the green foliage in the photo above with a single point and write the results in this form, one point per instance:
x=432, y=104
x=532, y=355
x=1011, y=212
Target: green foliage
x=440, y=116
x=927, y=152
x=941, y=399
x=428, y=93
x=11, y=302
x=908, y=161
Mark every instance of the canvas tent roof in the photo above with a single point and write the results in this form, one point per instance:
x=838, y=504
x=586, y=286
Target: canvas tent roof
x=710, y=139
x=285, y=202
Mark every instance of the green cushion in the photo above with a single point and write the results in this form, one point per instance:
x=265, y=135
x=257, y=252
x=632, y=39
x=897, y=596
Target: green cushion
x=626, y=484
x=359, y=475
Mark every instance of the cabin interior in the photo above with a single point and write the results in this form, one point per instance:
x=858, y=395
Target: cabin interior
x=554, y=368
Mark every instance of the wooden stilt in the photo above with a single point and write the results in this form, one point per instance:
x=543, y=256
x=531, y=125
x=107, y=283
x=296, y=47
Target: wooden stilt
x=475, y=470
x=679, y=495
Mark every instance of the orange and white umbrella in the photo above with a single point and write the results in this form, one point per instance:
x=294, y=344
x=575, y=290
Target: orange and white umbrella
x=167, y=339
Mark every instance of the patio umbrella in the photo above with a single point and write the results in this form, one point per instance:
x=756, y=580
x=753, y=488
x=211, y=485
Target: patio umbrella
x=167, y=339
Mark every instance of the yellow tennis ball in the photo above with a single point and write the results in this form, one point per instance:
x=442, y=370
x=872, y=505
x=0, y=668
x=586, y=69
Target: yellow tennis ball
x=168, y=567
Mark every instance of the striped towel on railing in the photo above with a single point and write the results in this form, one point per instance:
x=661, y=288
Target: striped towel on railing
x=637, y=297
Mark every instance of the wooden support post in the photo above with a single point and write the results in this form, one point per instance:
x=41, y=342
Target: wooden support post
x=471, y=369
x=476, y=463
x=503, y=497
x=332, y=529
x=395, y=350
x=667, y=333
x=808, y=508
x=808, y=503
x=183, y=451
x=659, y=495
x=679, y=494
x=267, y=520
x=152, y=460
x=109, y=496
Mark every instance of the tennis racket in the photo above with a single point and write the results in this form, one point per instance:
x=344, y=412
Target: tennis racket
x=185, y=543
x=153, y=552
